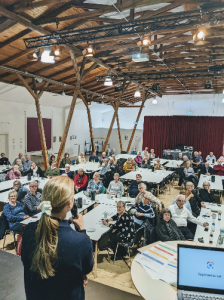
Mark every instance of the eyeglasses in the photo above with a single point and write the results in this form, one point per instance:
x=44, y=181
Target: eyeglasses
x=119, y=206
x=16, y=184
x=181, y=201
x=33, y=186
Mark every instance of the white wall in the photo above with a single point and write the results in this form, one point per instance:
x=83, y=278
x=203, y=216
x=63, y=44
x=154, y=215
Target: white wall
x=13, y=122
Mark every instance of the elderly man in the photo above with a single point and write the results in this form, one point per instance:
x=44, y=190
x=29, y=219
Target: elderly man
x=205, y=169
x=133, y=188
x=180, y=215
x=195, y=161
x=152, y=154
x=112, y=152
x=81, y=159
x=157, y=165
x=27, y=163
x=180, y=157
x=22, y=191
x=134, y=152
x=169, y=155
x=102, y=158
x=142, y=211
x=146, y=163
x=20, y=157
x=145, y=152
x=4, y=160
x=93, y=157
x=211, y=158
x=32, y=200
x=219, y=169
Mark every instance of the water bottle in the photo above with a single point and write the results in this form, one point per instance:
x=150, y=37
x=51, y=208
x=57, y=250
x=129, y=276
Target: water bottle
x=213, y=227
x=219, y=216
x=211, y=238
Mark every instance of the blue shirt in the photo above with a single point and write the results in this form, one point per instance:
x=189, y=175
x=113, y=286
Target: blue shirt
x=200, y=157
x=133, y=188
x=133, y=152
x=209, y=158
x=69, y=174
x=95, y=187
x=104, y=169
x=93, y=158
x=187, y=204
x=26, y=165
x=147, y=210
x=112, y=153
x=196, y=159
x=14, y=214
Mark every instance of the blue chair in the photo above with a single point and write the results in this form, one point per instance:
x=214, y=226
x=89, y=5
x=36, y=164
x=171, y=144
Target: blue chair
x=73, y=161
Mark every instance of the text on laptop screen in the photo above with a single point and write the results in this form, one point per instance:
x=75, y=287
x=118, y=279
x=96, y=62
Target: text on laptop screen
x=201, y=268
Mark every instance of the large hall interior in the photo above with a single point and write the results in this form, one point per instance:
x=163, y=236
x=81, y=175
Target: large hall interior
x=112, y=149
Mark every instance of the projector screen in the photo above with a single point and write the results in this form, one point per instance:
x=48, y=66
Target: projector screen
x=33, y=135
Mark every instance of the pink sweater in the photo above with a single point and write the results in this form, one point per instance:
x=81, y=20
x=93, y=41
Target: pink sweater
x=138, y=159
x=11, y=175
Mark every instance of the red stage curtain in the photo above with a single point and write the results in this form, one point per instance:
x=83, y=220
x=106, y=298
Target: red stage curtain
x=203, y=133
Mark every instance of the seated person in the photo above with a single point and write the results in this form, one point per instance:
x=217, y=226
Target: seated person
x=65, y=161
x=52, y=171
x=103, y=156
x=145, y=152
x=67, y=171
x=146, y=163
x=180, y=157
x=22, y=191
x=167, y=229
x=116, y=186
x=135, y=166
x=195, y=201
x=32, y=200
x=52, y=159
x=95, y=184
x=143, y=192
x=142, y=211
x=20, y=157
x=105, y=168
x=152, y=154
x=138, y=159
x=4, y=160
x=81, y=159
x=34, y=171
x=123, y=229
x=112, y=165
x=80, y=181
x=27, y=163
x=222, y=158
x=128, y=167
x=169, y=155
x=133, y=188
x=200, y=156
x=187, y=203
x=211, y=158
x=112, y=152
x=205, y=194
x=180, y=215
x=157, y=165
x=195, y=161
x=114, y=159
x=182, y=166
x=134, y=152
x=108, y=152
x=94, y=157
x=189, y=173
x=218, y=169
x=13, y=174
x=20, y=165
x=13, y=212
x=205, y=169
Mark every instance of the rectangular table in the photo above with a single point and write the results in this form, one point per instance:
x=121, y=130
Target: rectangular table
x=125, y=156
x=200, y=232
x=7, y=185
x=4, y=168
x=217, y=185
x=88, y=167
x=155, y=177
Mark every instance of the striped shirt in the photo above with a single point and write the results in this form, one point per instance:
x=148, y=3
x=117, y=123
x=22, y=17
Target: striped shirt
x=31, y=202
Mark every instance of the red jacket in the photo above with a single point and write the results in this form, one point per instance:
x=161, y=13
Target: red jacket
x=219, y=170
x=83, y=182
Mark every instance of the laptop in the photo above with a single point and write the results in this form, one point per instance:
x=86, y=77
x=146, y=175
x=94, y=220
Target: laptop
x=200, y=273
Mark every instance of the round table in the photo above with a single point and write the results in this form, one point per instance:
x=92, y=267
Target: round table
x=151, y=289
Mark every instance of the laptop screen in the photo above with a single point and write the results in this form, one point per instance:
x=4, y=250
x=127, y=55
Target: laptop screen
x=200, y=269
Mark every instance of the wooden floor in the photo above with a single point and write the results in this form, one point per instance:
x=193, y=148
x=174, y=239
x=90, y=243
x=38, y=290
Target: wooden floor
x=118, y=275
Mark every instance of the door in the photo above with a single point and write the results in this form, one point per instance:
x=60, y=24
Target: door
x=4, y=144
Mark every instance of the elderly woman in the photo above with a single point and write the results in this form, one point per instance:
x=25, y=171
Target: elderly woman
x=180, y=157
x=167, y=229
x=66, y=161
x=189, y=173
x=19, y=164
x=128, y=167
x=206, y=194
x=13, y=212
x=194, y=199
x=13, y=174
x=108, y=152
x=138, y=159
x=68, y=172
x=114, y=159
x=142, y=211
x=32, y=200
x=95, y=184
x=152, y=154
x=81, y=159
x=157, y=165
x=105, y=168
x=113, y=167
x=146, y=163
x=116, y=186
x=143, y=192
x=134, y=152
x=80, y=181
x=124, y=229
x=22, y=191
x=52, y=171
x=34, y=171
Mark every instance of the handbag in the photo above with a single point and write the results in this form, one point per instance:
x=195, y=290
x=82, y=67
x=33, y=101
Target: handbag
x=19, y=242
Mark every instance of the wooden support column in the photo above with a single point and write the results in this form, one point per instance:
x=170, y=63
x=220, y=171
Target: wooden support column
x=138, y=117
x=39, y=117
x=118, y=128
x=111, y=126
x=71, y=111
x=90, y=121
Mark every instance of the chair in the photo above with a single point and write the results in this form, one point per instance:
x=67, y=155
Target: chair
x=130, y=245
x=73, y=161
x=8, y=231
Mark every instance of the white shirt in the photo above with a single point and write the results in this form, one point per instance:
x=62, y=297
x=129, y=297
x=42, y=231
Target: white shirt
x=209, y=158
x=180, y=216
x=143, y=155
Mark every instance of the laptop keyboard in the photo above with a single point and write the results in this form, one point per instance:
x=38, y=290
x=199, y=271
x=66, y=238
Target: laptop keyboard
x=189, y=296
